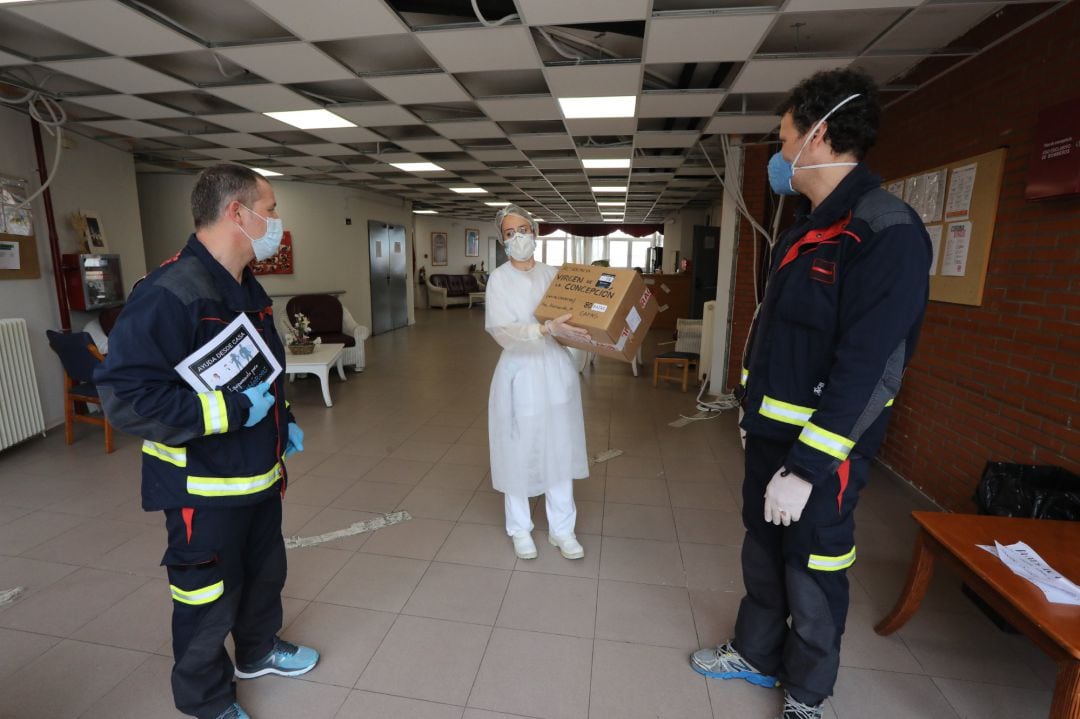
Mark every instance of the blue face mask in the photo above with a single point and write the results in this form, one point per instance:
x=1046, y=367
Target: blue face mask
x=781, y=171
x=266, y=246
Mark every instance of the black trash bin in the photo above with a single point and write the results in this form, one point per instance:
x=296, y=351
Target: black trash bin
x=1024, y=490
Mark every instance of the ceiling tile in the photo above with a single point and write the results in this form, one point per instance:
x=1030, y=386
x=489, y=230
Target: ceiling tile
x=286, y=62
x=347, y=134
x=119, y=74
x=250, y=122
x=354, y=18
x=376, y=114
x=665, y=139
x=479, y=49
x=535, y=107
x=705, y=39
x=129, y=106
x=436, y=144
x=263, y=98
x=934, y=26
x=678, y=104
x=742, y=124
x=134, y=128
x=234, y=139
x=594, y=80
x=574, y=12
x=782, y=75
x=108, y=25
x=604, y=126
x=497, y=155
x=326, y=149
x=559, y=141
x=467, y=129
x=815, y=5
x=423, y=88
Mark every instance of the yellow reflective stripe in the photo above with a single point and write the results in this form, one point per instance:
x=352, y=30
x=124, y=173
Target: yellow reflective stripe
x=744, y=376
x=176, y=456
x=215, y=415
x=198, y=596
x=785, y=411
x=825, y=441
x=824, y=563
x=233, y=486
x=889, y=403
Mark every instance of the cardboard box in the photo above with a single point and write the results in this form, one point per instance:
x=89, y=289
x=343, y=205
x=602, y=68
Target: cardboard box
x=614, y=304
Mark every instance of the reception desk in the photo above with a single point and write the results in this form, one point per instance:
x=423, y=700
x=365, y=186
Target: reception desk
x=673, y=295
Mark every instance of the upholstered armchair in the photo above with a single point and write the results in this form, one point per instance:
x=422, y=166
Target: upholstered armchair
x=331, y=322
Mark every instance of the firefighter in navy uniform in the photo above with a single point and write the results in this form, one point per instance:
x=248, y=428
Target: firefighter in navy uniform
x=213, y=461
x=847, y=291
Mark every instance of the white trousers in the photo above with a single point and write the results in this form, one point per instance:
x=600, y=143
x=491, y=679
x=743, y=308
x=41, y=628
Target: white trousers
x=561, y=511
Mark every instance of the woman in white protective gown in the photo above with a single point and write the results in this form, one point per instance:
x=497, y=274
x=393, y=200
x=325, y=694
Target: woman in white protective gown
x=536, y=427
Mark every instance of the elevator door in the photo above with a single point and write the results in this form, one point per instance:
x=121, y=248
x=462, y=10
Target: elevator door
x=389, y=304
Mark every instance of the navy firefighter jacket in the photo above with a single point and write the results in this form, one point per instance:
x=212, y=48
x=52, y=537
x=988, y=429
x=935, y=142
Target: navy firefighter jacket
x=845, y=299
x=196, y=450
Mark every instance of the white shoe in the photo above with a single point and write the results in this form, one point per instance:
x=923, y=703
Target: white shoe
x=524, y=547
x=569, y=546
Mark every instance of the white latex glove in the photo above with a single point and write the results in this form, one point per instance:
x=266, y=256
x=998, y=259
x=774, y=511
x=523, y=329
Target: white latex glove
x=786, y=497
x=558, y=327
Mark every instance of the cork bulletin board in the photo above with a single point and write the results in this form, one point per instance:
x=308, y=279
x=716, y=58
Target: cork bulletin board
x=18, y=257
x=958, y=204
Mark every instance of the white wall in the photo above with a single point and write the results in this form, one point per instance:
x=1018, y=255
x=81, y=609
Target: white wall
x=91, y=177
x=328, y=255
x=457, y=262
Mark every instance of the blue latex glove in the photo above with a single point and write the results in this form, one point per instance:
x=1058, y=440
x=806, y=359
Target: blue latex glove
x=296, y=440
x=261, y=402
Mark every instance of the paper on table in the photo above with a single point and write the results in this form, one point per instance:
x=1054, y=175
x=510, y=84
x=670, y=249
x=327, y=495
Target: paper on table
x=1025, y=562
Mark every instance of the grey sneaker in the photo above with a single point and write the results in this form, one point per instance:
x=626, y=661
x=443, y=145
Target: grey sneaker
x=234, y=712
x=795, y=709
x=286, y=659
x=724, y=662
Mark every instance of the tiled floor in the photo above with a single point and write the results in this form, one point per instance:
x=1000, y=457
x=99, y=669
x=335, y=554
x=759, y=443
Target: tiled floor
x=435, y=617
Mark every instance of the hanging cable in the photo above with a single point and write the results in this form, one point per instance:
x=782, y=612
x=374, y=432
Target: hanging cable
x=37, y=104
x=488, y=23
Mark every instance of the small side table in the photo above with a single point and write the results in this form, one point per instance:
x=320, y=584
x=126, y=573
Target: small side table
x=475, y=297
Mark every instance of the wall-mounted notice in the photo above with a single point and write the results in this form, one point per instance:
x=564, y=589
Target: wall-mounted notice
x=957, y=242
x=935, y=239
x=897, y=188
x=961, y=185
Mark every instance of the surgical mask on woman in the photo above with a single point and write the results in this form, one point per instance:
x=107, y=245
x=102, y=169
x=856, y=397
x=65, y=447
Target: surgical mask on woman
x=267, y=245
x=781, y=171
x=521, y=246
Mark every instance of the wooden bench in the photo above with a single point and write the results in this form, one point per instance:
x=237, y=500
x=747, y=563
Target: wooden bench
x=1054, y=628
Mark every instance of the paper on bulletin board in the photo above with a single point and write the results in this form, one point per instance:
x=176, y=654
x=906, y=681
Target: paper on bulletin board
x=957, y=242
x=897, y=189
x=933, y=195
x=13, y=192
x=961, y=186
x=935, y=240
x=9, y=256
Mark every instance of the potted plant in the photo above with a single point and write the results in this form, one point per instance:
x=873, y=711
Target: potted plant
x=299, y=340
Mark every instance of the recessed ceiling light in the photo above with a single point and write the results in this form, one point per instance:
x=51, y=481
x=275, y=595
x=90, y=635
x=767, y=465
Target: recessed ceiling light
x=612, y=214
x=611, y=204
x=264, y=173
x=608, y=189
x=496, y=204
x=416, y=166
x=425, y=212
x=605, y=164
x=310, y=119
x=576, y=108
x=469, y=190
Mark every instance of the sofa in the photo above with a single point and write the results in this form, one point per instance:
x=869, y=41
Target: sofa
x=444, y=290
x=331, y=322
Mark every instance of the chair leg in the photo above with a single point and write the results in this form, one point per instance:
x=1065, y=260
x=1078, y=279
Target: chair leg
x=685, y=376
x=69, y=420
x=655, y=373
x=108, y=438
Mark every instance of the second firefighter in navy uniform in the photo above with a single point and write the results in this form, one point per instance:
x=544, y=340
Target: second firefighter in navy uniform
x=845, y=299
x=213, y=461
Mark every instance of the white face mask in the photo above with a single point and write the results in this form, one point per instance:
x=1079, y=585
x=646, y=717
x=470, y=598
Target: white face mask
x=521, y=246
x=266, y=246
x=795, y=167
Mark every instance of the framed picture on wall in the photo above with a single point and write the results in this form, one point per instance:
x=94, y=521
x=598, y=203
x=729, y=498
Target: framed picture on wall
x=281, y=263
x=95, y=235
x=472, y=243
x=439, y=254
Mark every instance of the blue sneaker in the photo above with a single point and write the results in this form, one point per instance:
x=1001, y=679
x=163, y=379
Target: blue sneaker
x=234, y=712
x=286, y=659
x=725, y=662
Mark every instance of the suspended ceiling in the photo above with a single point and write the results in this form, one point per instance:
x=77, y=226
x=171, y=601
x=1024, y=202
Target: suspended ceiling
x=183, y=84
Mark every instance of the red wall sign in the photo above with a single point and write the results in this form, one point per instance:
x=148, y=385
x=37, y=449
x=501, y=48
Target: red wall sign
x=1054, y=163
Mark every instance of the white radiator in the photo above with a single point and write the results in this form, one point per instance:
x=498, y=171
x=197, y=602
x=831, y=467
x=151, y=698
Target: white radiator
x=20, y=403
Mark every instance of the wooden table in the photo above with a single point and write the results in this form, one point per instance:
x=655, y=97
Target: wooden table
x=319, y=362
x=1054, y=628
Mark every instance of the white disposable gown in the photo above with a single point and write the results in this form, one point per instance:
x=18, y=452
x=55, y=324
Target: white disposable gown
x=536, y=428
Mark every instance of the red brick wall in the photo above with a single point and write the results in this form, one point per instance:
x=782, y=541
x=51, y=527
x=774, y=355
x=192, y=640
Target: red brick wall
x=1000, y=381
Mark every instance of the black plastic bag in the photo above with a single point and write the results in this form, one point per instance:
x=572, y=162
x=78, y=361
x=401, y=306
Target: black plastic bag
x=1026, y=490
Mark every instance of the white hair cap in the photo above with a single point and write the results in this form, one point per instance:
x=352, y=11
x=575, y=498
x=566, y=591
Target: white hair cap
x=515, y=210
